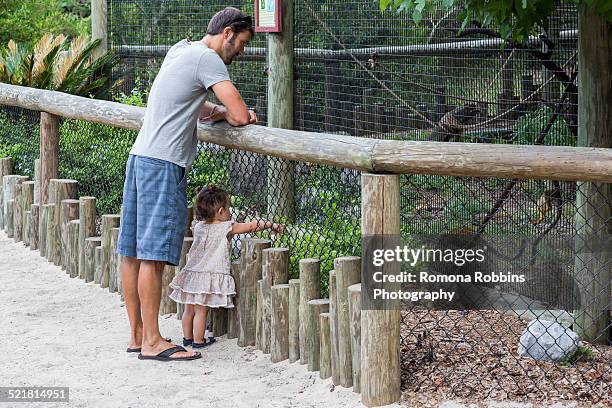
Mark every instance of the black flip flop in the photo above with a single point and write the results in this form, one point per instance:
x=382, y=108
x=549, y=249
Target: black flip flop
x=165, y=355
x=139, y=349
x=210, y=341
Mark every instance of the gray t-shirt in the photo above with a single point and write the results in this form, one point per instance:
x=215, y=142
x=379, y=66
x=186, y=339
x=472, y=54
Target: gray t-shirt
x=178, y=92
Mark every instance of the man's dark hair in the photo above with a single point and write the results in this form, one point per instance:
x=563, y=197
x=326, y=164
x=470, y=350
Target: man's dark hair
x=230, y=17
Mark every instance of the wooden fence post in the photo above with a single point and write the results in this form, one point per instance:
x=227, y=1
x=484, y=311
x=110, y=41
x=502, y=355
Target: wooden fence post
x=8, y=189
x=87, y=228
x=99, y=26
x=109, y=221
x=34, y=224
x=232, y=313
x=354, y=299
x=333, y=328
x=69, y=212
x=187, y=242
x=250, y=273
x=325, y=348
x=72, y=252
x=91, y=244
x=380, y=329
x=27, y=199
x=49, y=151
x=6, y=168
x=310, y=288
x=294, y=320
x=279, y=334
x=348, y=272
x=59, y=190
x=593, y=221
x=313, y=331
x=275, y=271
x=280, y=112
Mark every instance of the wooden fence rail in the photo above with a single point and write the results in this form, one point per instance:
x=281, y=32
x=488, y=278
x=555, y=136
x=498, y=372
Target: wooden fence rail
x=368, y=155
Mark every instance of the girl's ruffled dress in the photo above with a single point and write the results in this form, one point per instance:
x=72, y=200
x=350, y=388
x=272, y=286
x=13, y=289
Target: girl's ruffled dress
x=205, y=279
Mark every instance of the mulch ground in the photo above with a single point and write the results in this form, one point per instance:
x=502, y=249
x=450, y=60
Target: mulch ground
x=471, y=356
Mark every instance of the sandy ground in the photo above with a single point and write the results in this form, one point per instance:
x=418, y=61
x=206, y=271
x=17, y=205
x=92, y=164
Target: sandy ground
x=60, y=331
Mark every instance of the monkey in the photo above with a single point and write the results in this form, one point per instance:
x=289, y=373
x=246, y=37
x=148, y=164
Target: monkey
x=549, y=200
x=453, y=122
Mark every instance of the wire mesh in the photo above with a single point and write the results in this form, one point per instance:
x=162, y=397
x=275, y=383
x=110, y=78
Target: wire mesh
x=367, y=73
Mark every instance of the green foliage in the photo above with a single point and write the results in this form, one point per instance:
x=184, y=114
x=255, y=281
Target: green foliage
x=529, y=126
x=581, y=354
x=514, y=19
x=25, y=21
x=19, y=139
x=58, y=64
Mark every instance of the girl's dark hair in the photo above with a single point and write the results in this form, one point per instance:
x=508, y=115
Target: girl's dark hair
x=208, y=201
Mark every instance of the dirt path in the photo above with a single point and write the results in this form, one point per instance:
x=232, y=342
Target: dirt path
x=58, y=331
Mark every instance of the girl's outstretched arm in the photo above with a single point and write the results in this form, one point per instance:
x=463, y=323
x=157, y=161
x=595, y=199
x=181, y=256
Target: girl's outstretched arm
x=254, y=226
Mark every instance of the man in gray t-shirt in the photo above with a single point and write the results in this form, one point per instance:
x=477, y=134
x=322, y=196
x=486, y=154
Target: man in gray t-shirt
x=154, y=210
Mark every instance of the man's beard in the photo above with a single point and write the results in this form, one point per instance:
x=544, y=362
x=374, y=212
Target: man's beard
x=227, y=50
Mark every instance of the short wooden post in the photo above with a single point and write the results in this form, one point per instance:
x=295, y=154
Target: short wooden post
x=46, y=215
x=112, y=274
x=34, y=224
x=325, y=347
x=26, y=227
x=87, y=228
x=279, y=342
x=8, y=188
x=310, y=288
x=354, y=299
x=10, y=225
x=348, y=272
x=380, y=329
x=109, y=221
x=91, y=244
x=275, y=271
x=37, y=181
x=70, y=212
x=333, y=328
x=187, y=242
x=27, y=198
x=6, y=168
x=232, y=313
x=219, y=321
x=59, y=190
x=51, y=239
x=294, y=320
x=258, y=312
x=166, y=305
x=118, y=259
x=250, y=270
x=313, y=331
x=98, y=253
x=49, y=151
x=17, y=215
x=72, y=261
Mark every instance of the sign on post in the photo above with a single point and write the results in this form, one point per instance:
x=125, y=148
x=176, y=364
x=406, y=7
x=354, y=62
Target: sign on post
x=268, y=16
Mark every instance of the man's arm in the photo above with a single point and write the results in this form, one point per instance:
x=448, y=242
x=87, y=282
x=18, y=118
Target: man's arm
x=234, y=109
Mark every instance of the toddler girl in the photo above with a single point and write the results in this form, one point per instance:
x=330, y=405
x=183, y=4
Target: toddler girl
x=205, y=280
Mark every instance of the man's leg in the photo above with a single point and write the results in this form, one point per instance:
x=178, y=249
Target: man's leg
x=149, y=289
x=129, y=281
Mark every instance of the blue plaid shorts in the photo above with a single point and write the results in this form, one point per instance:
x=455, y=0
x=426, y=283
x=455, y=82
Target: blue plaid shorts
x=154, y=211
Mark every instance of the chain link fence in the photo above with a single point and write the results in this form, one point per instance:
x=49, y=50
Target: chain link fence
x=367, y=73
